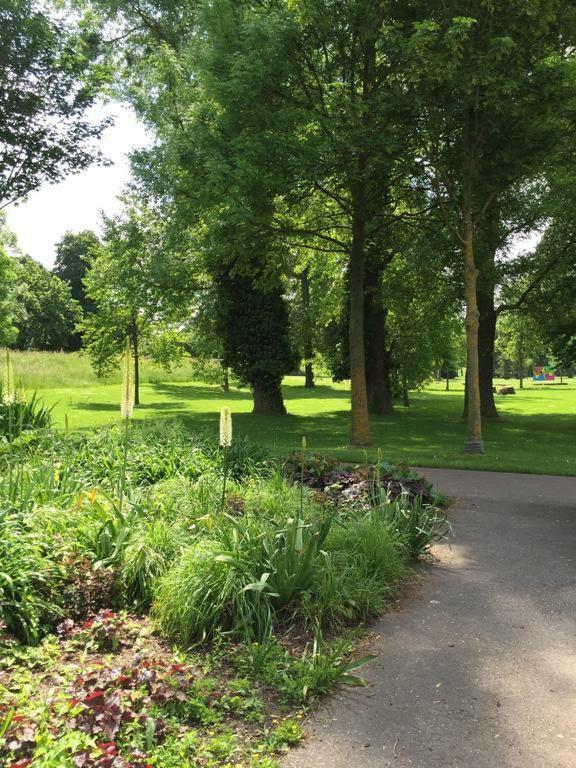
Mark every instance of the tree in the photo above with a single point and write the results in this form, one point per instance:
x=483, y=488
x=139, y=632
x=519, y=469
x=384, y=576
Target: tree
x=479, y=82
x=46, y=314
x=295, y=136
x=550, y=302
x=73, y=257
x=519, y=341
x=135, y=283
x=253, y=324
x=51, y=75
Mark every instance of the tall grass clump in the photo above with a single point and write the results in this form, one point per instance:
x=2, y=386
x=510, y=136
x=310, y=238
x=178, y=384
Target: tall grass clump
x=17, y=413
x=366, y=560
x=205, y=591
x=419, y=525
x=61, y=370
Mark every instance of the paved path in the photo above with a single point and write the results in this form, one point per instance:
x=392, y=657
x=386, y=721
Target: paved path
x=478, y=669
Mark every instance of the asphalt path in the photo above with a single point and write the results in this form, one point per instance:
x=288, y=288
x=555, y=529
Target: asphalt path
x=477, y=668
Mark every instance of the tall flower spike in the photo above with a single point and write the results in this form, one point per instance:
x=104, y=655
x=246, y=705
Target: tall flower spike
x=8, y=390
x=225, y=428
x=127, y=399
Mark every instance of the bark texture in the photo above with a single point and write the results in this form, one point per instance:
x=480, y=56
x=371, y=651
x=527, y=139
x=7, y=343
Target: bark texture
x=267, y=399
x=474, y=442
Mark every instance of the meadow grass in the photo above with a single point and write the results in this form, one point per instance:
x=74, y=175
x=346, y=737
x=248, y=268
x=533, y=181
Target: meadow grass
x=48, y=370
x=536, y=432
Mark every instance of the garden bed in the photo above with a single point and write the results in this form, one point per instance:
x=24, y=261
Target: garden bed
x=149, y=618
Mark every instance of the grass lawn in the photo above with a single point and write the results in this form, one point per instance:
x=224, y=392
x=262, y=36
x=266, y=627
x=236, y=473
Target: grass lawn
x=536, y=432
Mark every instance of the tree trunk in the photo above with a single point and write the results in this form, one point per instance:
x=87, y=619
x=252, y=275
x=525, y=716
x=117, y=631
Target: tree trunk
x=486, y=339
x=268, y=399
x=474, y=442
x=378, y=356
x=225, y=378
x=359, y=421
x=308, y=342
x=309, y=382
x=447, y=381
x=405, y=394
x=135, y=350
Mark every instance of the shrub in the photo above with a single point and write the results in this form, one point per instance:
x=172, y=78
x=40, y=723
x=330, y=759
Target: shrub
x=86, y=590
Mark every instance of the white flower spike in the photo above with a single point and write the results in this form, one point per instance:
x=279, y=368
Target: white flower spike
x=225, y=428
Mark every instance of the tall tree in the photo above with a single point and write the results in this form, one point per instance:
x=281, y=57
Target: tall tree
x=479, y=81
x=8, y=271
x=135, y=286
x=73, y=257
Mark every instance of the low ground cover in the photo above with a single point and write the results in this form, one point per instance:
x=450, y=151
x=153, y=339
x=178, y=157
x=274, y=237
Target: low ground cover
x=170, y=624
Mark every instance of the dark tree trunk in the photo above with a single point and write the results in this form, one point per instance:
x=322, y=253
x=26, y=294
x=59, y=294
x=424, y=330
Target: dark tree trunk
x=378, y=356
x=308, y=343
x=268, y=399
x=447, y=381
x=474, y=442
x=359, y=421
x=135, y=350
x=486, y=340
x=225, y=379
x=405, y=393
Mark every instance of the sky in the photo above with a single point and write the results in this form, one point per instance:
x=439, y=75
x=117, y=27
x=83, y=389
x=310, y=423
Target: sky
x=75, y=203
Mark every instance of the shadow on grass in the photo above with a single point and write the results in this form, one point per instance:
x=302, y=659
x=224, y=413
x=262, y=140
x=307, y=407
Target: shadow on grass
x=430, y=433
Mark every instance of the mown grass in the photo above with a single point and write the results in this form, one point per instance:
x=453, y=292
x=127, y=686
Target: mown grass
x=536, y=432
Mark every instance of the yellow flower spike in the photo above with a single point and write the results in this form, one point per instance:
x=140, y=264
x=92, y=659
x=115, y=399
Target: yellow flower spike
x=92, y=496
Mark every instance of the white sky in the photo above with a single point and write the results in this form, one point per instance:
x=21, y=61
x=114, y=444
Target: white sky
x=75, y=203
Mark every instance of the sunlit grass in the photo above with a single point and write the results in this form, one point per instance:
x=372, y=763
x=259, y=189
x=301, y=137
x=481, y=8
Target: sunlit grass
x=536, y=431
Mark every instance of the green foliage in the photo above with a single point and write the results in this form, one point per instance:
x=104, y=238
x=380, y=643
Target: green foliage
x=26, y=576
x=47, y=314
x=253, y=324
x=74, y=254
x=8, y=272
x=54, y=76
x=134, y=291
x=419, y=525
x=366, y=559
